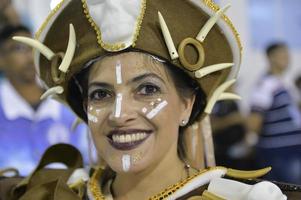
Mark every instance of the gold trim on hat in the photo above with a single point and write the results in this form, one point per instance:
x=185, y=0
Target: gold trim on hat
x=52, y=13
x=214, y=7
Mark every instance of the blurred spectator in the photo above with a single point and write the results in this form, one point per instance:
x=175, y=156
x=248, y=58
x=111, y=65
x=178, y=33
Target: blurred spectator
x=8, y=14
x=27, y=125
x=276, y=118
x=229, y=130
x=298, y=86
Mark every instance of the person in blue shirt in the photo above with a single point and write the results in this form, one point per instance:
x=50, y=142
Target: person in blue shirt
x=28, y=125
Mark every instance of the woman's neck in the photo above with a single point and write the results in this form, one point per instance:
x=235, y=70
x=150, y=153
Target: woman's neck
x=143, y=185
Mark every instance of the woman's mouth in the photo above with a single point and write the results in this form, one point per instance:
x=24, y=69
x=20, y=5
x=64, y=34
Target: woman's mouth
x=128, y=139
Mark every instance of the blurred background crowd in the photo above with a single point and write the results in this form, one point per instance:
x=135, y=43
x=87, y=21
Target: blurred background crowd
x=264, y=129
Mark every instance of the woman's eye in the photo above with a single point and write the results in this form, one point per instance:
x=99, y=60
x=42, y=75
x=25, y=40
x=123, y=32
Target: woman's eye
x=148, y=90
x=100, y=95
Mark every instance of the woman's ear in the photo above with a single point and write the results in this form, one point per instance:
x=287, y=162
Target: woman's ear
x=187, y=109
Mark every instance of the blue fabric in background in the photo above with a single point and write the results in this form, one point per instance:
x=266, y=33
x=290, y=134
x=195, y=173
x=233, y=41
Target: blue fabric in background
x=23, y=140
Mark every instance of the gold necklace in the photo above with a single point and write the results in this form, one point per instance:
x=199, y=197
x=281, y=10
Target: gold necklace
x=94, y=185
x=97, y=194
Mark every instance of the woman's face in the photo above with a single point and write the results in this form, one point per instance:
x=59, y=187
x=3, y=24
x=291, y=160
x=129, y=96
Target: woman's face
x=134, y=111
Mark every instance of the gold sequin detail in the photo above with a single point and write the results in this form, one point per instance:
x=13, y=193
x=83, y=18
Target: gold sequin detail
x=97, y=194
x=52, y=13
x=94, y=185
x=139, y=22
x=216, y=8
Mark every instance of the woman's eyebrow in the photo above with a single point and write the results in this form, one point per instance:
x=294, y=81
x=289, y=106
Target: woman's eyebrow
x=144, y=76
x=100, y=84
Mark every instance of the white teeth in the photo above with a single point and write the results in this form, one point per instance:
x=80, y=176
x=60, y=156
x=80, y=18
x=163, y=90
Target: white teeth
x=127, y=138
x=122, y=139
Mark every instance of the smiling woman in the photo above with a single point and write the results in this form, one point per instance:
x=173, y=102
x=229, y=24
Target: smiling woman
x=143, y=81
x=132, y=114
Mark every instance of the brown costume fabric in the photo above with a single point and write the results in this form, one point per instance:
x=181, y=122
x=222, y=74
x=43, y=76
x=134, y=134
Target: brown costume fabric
x=45, y=183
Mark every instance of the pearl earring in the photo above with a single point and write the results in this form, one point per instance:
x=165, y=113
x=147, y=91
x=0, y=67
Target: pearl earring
x=184, y=122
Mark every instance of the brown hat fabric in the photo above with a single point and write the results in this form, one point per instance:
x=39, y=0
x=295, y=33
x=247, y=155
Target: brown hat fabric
x=184, y=20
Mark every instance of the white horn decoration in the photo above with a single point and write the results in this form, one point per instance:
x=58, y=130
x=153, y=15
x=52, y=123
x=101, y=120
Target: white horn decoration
x=229, y=96
x=217, y=93
x=168, y=39
x=43, y=49
x=52, y=91
x=70, y=50
x=212, y=68
x=210, y=23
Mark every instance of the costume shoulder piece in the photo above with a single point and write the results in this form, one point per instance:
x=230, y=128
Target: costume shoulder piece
x=217, y=183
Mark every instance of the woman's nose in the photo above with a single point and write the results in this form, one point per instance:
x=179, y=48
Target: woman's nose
x=123, y=112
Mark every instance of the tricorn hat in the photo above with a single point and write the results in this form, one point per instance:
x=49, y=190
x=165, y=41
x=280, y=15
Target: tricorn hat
x=194, y=35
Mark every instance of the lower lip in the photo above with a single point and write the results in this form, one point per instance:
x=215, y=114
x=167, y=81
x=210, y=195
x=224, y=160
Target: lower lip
x=127, y=145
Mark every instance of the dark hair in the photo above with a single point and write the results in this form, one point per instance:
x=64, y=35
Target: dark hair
x=9, y=30
x=274, y=46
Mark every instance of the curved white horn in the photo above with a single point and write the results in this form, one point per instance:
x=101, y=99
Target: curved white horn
x=168, y=39
x=212, y=68
x=43, y=49
x=52, y=91
x=229, y=96
x=70, y=50
x=217, y=93
x=210, y=23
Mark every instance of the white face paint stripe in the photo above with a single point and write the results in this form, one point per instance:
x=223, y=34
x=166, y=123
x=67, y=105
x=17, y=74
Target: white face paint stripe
x=126, y=162
x=118, y=73
x=118, y=105
x=92, y=118
x=156, y=110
